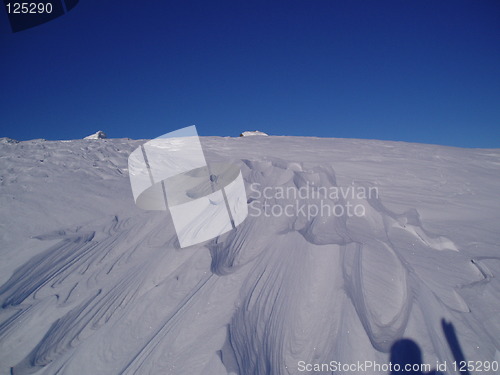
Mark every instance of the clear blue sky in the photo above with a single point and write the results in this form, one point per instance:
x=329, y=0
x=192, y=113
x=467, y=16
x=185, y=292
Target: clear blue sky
x=418, y=71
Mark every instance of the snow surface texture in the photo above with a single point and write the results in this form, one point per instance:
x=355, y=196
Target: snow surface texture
x=97, y=135
x=251, y=133
x=91, y=284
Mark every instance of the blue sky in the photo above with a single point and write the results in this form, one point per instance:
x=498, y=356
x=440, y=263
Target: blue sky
x=417, y=71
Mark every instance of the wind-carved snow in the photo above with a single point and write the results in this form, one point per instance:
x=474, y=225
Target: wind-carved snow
x=92, y=284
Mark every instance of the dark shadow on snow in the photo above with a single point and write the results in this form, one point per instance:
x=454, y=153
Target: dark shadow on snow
x=406, y=354
x=451, y=337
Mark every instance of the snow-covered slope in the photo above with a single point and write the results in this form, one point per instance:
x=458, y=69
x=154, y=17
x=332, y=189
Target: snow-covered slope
x=91, y=284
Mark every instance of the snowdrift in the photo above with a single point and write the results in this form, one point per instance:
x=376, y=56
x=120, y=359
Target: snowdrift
x=91, y=284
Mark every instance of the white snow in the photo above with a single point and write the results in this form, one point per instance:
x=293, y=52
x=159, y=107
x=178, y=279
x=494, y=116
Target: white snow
x=251, y=133
x=97, y=135
x=8, y=140
x=91, y=284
